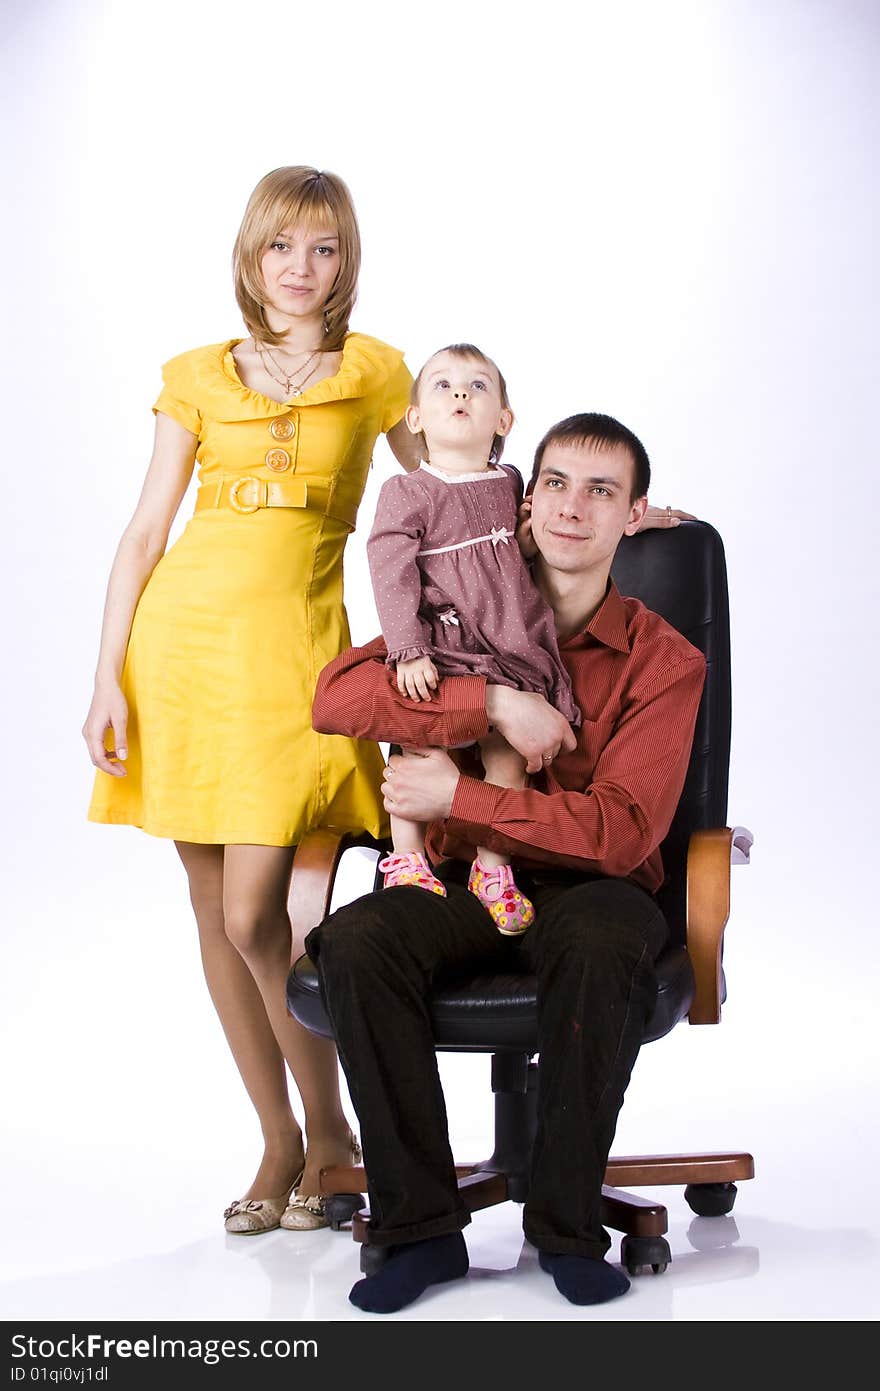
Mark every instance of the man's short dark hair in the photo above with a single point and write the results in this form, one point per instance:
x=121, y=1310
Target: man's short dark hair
x=605, y=432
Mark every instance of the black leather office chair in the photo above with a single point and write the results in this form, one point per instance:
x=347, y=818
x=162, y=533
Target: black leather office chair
x=680, y=573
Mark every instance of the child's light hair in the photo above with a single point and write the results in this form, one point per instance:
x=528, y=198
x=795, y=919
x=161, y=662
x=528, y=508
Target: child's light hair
x=310, y=200
x=471, y=351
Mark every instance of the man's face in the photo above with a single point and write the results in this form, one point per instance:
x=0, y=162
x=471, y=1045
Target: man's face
x=581, y=505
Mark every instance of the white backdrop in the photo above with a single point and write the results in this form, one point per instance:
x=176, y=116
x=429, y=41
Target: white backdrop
x=667, y=212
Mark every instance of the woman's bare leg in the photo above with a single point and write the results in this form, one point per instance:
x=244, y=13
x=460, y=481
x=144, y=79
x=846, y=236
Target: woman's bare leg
x=246, y=1025
x=506, y=768
x=256, y=882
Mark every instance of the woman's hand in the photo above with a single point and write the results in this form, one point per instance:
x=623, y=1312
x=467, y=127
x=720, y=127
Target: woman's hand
x=108, y=710
x=663, y=517
x=417, y=679
x=524, y=537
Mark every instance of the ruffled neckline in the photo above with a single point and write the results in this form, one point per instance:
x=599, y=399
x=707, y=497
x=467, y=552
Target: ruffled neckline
x=484, y=476
x=365, y=366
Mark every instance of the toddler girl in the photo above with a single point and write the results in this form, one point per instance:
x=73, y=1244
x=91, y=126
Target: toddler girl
x=455, y=596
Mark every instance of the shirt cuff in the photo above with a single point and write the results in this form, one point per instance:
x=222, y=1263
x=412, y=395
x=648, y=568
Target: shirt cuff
x=464, y=708
x=473, y=807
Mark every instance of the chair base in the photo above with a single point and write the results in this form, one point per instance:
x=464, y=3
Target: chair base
x=709, y=1178
x=482, y=1185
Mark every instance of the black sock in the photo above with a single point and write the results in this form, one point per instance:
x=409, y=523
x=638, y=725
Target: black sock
x=408, y=1272
x=584, y=1279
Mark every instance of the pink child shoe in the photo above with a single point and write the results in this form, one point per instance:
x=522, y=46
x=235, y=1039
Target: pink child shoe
x=411, y=868
x=509, y=909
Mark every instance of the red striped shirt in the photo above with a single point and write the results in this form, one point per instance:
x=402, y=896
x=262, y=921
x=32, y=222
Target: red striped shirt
x=604, y=808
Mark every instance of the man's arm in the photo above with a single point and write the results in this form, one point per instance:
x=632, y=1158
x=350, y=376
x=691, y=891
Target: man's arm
x=622, y=815
x=358, y=696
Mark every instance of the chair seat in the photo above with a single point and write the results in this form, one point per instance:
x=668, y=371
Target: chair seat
x=497, y=1011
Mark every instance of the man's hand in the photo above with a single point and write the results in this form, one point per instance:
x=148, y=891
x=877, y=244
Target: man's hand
x=418, y=678
x=419, y=784
x=529, y=724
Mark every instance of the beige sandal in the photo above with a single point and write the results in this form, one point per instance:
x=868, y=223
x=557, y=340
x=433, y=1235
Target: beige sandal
x=248, y=1216
x=307, y=1212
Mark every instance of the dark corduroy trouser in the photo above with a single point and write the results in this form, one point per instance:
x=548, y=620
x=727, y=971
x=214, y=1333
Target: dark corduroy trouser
x=592, y=947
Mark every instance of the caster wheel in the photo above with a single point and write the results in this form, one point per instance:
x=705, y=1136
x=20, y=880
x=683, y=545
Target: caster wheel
x=341, y=1208
x=372, y=1257
x=638, y=1253
x=710, y=1199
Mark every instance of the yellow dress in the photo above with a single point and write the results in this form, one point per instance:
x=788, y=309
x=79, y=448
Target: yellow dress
x=244, y=610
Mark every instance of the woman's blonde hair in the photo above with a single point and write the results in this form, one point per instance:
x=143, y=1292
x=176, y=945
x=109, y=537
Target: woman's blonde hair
x=312, y=199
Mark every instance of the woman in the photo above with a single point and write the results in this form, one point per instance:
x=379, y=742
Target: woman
x=200, y=723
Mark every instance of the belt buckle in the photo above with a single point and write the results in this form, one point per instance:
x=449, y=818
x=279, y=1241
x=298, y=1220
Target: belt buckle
x=243, y=507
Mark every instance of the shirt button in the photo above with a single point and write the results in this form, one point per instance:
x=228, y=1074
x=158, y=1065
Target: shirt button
x=278, y=460
x=283, y=429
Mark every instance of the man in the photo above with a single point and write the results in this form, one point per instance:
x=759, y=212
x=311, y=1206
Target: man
x=583, y=837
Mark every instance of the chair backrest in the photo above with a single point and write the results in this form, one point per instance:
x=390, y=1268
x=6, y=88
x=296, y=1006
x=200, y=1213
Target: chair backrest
x=681, y=574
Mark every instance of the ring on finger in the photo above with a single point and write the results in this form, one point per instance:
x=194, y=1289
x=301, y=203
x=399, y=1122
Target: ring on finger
x=668, y=513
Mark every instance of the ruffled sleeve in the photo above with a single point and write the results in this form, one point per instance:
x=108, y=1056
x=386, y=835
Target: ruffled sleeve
x=178, y=390
x=398, y=529
x=396, y=398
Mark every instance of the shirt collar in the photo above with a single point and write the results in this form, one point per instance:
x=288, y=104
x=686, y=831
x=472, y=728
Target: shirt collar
x=608, y=624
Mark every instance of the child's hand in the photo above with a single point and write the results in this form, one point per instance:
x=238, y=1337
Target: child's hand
x=524, y=530
x=417, y=679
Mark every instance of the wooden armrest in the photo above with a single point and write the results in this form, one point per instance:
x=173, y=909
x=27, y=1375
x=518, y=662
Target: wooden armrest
x=710, y=855
x=314, y=874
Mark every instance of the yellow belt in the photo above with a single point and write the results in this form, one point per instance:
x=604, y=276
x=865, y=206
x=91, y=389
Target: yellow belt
x=248, y=494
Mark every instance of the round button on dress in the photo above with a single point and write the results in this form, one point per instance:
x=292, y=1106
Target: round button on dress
x=282, y=429
x=278, y=460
